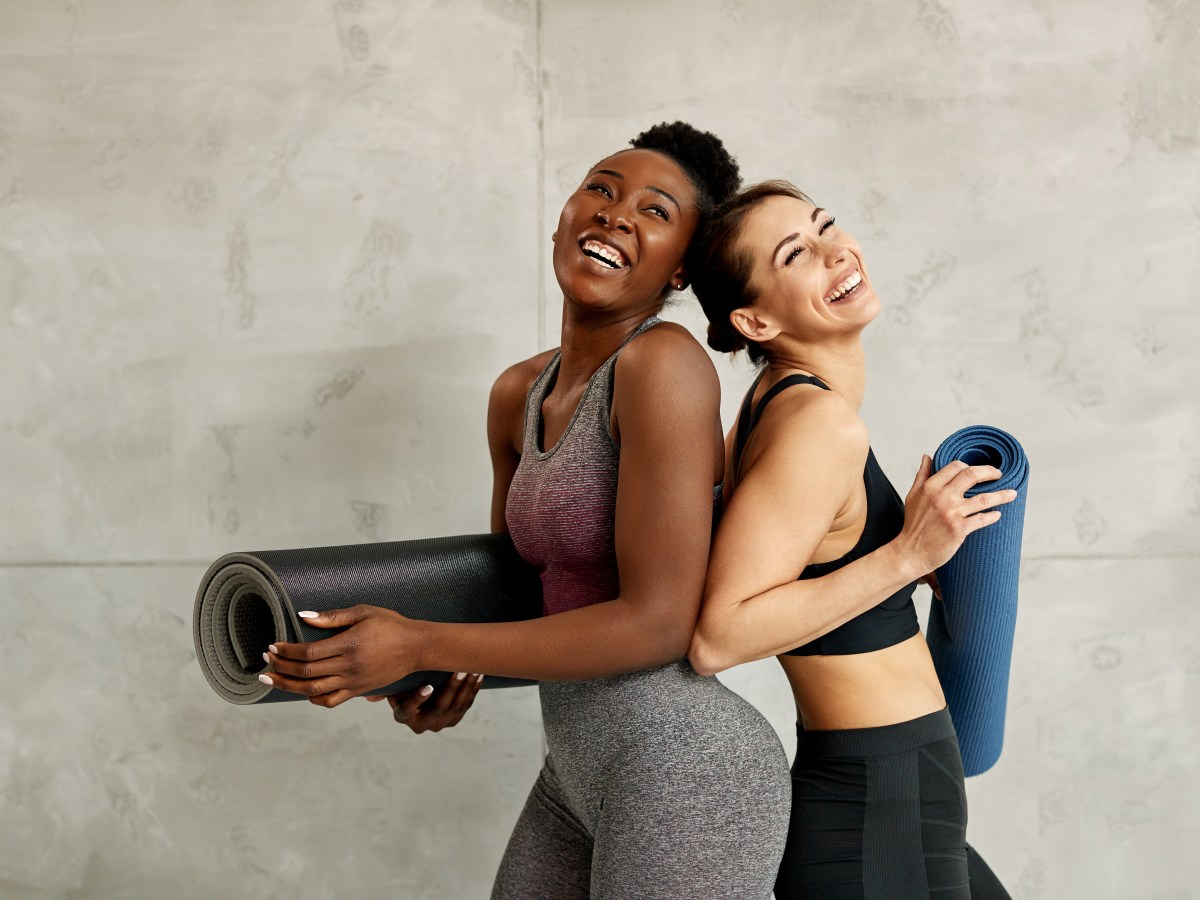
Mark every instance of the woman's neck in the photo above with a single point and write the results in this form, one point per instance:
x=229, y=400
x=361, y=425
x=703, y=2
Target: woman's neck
x=586, y=341
x=842, y=366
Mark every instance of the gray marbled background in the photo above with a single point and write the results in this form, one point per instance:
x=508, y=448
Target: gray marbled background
x=260, y=262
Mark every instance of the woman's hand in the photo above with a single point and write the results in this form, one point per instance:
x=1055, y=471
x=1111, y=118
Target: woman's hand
x=374, y=650
x=424, y=710
x=937, y=515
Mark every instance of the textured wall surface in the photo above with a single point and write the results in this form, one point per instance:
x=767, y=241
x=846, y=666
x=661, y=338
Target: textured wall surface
x=260, y=262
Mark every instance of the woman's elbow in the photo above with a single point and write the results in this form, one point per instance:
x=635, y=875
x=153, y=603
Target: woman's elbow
x=705, y=655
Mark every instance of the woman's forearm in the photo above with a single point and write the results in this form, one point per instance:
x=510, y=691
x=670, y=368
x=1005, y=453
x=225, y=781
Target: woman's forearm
x=789, y=615
x=602, y=639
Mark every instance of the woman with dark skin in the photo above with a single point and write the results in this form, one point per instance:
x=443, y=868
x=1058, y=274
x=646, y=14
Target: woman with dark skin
x=658, y=782
x=816, y=559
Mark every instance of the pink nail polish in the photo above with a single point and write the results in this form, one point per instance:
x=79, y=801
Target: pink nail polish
x=460, y=676
x=266, y=657
x=266, y=679
x=307, y=614
x=479, y=679
x=273, y=649
x=426, y=691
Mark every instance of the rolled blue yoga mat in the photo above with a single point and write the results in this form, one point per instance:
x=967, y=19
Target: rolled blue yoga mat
x=971, y=630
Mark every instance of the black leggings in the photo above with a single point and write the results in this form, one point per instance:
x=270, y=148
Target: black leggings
x=881, y=814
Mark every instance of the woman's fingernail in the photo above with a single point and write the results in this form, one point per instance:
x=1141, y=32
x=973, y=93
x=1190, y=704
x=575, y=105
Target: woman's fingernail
x=307, y=614
x=273, y=649
x=266, y=679
x=460, y=676
x=266, y=657
x=479, y=679
x=426, y=691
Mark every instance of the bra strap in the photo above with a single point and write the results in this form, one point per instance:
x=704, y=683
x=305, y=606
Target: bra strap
x=746, y=423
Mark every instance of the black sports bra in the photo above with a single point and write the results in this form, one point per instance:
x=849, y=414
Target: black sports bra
x=895, y=619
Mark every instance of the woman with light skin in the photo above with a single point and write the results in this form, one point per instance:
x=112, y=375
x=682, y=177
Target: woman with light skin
x=605, y=452
x=816, y=559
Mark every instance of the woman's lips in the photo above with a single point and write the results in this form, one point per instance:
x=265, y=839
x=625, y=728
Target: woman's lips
x=846, y=288
x=606, y=254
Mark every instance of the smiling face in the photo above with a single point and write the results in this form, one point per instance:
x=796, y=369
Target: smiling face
x=807, y=274
x=622, y=234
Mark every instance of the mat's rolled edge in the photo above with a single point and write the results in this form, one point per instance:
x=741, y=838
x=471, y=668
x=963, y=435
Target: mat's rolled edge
x=224, y=663
x=215, y=648
x=986, y=443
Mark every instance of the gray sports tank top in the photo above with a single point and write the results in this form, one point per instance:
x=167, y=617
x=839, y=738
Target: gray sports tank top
x=562, y=501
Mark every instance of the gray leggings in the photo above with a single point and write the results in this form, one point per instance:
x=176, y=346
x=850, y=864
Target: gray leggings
x=658, y=784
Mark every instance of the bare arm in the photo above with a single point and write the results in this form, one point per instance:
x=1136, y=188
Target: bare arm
x=505, y=430
x=786, y=505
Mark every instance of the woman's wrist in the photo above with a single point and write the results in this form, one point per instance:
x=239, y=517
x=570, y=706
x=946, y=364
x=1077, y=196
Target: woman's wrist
x=419, y=646
x=904, y=560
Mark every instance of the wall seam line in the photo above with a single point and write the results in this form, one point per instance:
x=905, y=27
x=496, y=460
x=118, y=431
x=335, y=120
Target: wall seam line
x=541, y=180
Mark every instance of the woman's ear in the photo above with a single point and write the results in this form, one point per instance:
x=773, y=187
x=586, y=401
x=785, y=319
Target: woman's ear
x=751, y=324
x=679, y=281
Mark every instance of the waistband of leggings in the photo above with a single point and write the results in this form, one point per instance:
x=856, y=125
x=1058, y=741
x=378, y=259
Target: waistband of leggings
x=880, y=741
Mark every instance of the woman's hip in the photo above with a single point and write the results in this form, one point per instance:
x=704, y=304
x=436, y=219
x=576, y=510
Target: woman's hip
x=668, y=723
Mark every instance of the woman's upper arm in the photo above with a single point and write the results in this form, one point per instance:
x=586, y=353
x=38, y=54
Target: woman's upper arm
x=787, y=501
x=505, y=425
x=666, y=402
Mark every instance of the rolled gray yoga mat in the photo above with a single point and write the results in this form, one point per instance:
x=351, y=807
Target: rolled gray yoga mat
x=247, y=601
x=971, y=631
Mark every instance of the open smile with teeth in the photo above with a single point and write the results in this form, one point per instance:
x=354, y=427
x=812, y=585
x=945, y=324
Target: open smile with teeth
x=610, y=256
x=845, y=289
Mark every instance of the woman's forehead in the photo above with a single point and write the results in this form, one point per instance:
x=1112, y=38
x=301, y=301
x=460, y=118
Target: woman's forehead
x=771, y=221
x=781, y=211
x=648, y=167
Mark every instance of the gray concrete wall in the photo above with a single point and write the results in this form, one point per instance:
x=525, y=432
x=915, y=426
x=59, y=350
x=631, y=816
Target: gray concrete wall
x=259, y=263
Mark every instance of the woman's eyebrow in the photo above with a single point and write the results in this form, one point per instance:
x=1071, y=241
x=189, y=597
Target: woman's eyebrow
x=786, y=240
x=665, y=194
x=656, y=190
x=791, y=237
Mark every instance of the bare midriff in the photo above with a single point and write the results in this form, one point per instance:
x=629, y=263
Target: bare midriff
x=865, y=690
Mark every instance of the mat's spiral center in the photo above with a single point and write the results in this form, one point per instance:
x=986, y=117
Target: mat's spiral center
x=981, y=456
x=251, y=630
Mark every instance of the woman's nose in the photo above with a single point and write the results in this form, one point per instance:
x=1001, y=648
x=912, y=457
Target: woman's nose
x=614, y=216
x=836, y=253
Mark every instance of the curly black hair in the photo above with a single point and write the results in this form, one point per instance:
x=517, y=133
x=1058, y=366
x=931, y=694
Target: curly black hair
x=701, y=155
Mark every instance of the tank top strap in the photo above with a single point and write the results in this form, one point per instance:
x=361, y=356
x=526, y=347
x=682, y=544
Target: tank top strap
x=597, y=399
x=748, y=419
x=609, y=366
x=596, y=403
x=533, y=404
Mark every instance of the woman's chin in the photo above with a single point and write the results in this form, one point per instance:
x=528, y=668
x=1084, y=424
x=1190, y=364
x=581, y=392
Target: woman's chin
x=862, y=311
x=604, y=293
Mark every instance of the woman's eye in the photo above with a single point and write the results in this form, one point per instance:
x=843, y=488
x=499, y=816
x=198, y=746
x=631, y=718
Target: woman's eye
x=796, y=251
x=600, y=188
x=657, y=210
x=828, y=225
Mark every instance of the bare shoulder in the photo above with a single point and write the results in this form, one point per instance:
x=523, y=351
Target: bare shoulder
x=506, y=406
x=513, y=384
x=666, y=355
x=801, y=425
